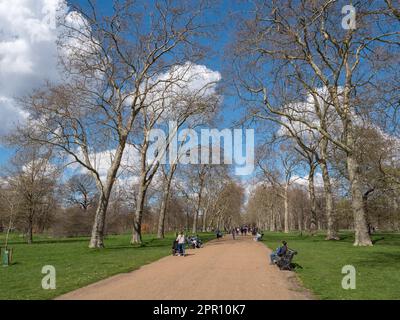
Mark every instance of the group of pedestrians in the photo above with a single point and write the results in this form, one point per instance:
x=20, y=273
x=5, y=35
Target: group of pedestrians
x=244, y=231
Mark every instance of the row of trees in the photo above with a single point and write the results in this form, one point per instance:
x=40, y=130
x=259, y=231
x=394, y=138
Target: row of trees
x=323, y=92
x=286, y=201
x=125, y=73
x=38, y=195
x=333, y=96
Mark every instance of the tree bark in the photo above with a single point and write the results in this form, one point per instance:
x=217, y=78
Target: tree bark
x=164, y=203
x=137, y=220
x=210, y=223
x=204, y=226
x=29, y=233
x=163, y=210
x=195, y=218
x=332, y=232
x=141, y=196
x=196, y=214
x=272, y=221
x=286, y=204
x=97, y=237
x=362, y=237
x=313, y=200
x=300, y=220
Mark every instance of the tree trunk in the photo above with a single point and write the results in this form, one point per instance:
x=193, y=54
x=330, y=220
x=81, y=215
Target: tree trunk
x=137, y=220
x=161, y=218
x=332, y=232
x=300, y=220
x=272, y=222
x=210, y=223
x=187, y=219
x=195, y=218
x=278, y=220
x=163, y=211
x=97, y=237
x=313, y=200
x=196, y=214
x=165, y=201
x=286, y=217
x=362, y=237
x=29, y=231
x=204, y=227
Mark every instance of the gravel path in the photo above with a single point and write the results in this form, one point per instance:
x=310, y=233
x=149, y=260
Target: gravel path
x=224, y=269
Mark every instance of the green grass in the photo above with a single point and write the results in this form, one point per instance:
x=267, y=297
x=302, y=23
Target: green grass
x=321, y=262
x=76, y=265
x=377, y=267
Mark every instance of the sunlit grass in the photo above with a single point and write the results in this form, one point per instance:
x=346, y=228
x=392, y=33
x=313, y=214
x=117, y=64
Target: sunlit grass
x=377, y=267
x=76, y=265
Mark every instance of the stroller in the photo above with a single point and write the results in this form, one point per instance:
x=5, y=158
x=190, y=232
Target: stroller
x=175, y=250
x=195, y=242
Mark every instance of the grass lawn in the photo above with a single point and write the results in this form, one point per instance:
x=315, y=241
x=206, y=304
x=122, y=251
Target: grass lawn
x=377, y=267
x=76, y=265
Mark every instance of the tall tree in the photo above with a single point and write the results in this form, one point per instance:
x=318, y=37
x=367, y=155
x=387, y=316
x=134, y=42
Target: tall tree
x=303, y=42
x=32, y=176
x=185, y=93
x=109, y=60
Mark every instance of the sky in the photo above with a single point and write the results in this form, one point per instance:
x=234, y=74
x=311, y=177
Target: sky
x=28, y=54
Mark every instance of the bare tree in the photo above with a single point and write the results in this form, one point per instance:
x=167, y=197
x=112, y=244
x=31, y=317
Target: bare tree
x=303, y=41
x=187, y=93
x=109, y=62
x=32, y=176
x=167, y=181
x=312, y=146
x=289, y=162
x=81, y=191
x=10, y=204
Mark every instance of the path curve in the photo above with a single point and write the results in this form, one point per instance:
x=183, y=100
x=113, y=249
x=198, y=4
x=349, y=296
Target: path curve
x=224, y=269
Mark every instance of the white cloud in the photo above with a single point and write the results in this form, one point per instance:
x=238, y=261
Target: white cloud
x=9, y=115
x=101, y=162
x=167, y=91
x=28, y=52
x=303, y=181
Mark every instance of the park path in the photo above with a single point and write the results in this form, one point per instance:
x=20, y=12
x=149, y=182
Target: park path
x=224, y=269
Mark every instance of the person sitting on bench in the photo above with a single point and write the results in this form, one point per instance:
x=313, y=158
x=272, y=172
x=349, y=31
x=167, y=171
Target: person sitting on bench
x=258, y=236
x=281, y=251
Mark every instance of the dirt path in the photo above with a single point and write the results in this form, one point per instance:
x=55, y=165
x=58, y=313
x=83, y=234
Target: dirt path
x=224, y=269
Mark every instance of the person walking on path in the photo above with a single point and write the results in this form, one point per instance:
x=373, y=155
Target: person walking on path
x=181, y=243
x=234, y=234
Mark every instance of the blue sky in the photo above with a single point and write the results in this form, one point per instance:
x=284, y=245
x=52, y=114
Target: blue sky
x=4, y=154
x=40, y=52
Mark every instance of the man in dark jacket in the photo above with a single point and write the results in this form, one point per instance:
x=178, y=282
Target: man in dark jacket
x=281, y=251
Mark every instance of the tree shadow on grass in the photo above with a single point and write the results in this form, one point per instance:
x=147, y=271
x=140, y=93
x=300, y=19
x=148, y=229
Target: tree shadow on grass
x=374, y=241
x=381, y=259
x=139, y=246
x=49, y=241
